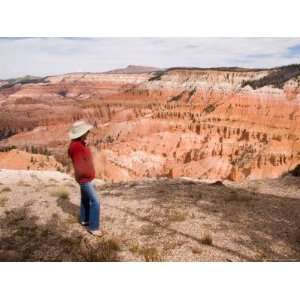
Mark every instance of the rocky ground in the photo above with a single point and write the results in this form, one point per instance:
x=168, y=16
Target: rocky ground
x=150, y=220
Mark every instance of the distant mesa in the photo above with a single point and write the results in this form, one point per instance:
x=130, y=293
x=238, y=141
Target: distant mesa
x=21, y=80
x=133, y=69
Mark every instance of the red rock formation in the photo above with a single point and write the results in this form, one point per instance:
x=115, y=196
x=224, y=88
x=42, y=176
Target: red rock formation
x=20, y=160
x=217, y=123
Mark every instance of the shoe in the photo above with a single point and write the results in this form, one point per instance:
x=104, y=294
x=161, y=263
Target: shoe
x=84, y=223
x=96, y=232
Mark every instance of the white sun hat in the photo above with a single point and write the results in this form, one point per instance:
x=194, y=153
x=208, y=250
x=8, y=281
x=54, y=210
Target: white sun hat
x=78, y=129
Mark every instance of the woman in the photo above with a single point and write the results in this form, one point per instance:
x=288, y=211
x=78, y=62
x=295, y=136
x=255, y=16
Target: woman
x=84, y=173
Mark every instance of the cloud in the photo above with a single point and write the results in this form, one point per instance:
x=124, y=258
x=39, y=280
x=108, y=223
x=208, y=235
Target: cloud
x=44, y=56
x=294, y=51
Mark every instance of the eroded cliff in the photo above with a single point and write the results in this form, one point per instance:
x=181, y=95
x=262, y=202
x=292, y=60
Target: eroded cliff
x=224, y=123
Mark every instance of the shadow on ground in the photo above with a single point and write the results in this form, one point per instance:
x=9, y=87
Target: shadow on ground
x=268, y=223
x=24, y=239
x=68, y=207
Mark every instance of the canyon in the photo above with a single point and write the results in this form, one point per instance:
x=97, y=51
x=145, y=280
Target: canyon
x=218, y=124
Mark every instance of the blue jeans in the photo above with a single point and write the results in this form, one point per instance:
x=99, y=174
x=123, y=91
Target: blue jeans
x=89, y=206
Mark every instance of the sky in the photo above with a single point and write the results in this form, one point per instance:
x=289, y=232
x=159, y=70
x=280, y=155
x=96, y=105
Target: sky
x=50, y=56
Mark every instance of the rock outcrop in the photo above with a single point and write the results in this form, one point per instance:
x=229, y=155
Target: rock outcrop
x=21, y=160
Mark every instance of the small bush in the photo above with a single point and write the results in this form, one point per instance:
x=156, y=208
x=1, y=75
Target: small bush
x=61, y=193
x=207, y=239
x=6, y=189
x=114, y=244
x=103, y=250
x=3, y=201
x=134, y=248
x=147, y=230
x=23, y=183
x=151, y=254
x=196, y=250
x=176, y=216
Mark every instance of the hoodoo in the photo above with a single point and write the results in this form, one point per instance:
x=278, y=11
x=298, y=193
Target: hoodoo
x=220, y=123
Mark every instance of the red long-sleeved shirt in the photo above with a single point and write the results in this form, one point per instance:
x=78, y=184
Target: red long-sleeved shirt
x=82, y=161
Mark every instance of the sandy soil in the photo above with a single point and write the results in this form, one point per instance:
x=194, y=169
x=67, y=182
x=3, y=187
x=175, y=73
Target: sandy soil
x=151, y=220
